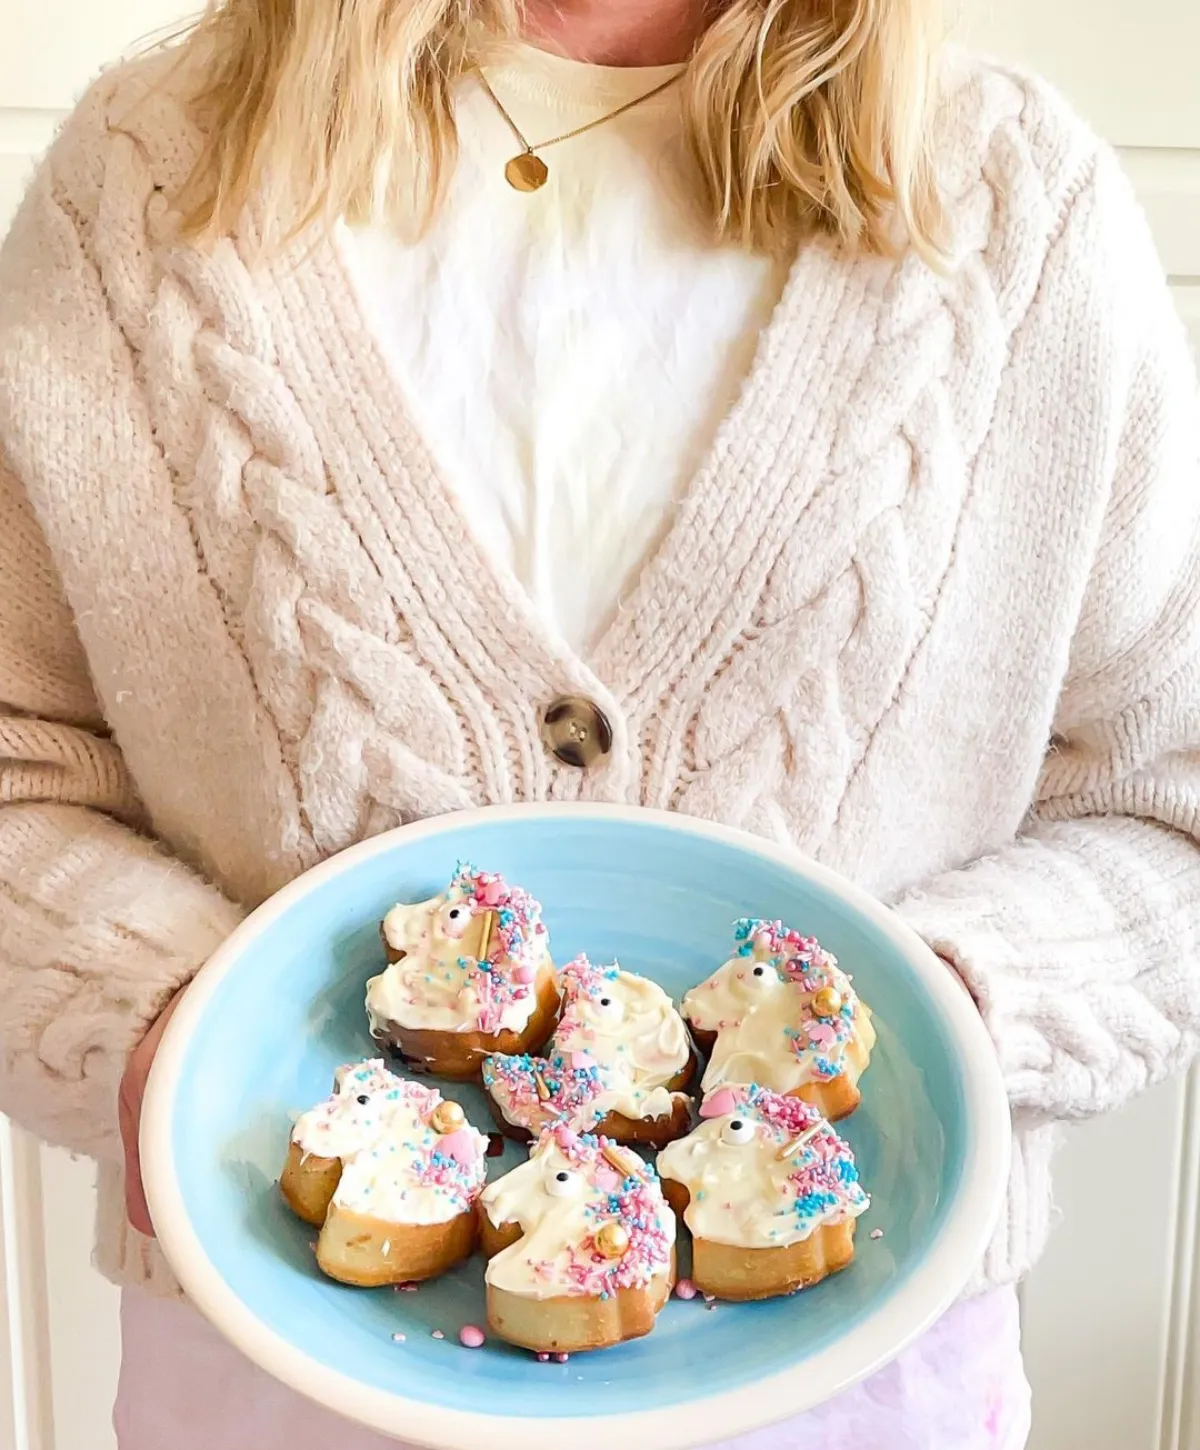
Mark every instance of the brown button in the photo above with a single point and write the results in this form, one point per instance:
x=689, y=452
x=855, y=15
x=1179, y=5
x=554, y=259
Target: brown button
x=576, y=731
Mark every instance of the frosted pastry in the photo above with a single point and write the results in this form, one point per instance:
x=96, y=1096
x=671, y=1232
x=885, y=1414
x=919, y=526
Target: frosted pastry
x=389, y=1170
x=783, y=1014
x=580, y=1244
x=769, y=1191
x=469, y=973
x=616, y=1065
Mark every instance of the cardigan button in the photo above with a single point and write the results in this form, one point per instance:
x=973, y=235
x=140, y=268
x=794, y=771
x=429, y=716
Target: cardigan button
x=576, y=731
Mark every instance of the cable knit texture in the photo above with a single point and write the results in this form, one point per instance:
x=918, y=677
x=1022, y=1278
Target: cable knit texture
x=930, y=610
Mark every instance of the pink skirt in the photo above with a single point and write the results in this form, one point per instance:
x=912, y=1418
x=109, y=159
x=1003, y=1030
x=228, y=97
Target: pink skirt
x=960, y=1387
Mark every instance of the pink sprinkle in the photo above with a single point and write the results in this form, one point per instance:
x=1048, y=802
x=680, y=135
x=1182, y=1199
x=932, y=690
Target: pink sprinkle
x=820, y=1034
x=493, y=892
x=685, y=1289
x=437, y=1334
x=876, y=1233
x=543, y=1357
x=398, y=1337
x=562, y=1358
x=463, y=1146
x=720, y=1103
x=470, y=1336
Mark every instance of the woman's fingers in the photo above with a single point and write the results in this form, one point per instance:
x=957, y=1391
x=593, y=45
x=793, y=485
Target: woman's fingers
x=129, y=1117
x=136, y=1207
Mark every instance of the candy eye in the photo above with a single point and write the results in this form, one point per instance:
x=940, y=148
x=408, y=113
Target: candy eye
x=737, y=1132
x=362, y=1100
x=563, y=1184
x=454, y=913
x=608, y=1008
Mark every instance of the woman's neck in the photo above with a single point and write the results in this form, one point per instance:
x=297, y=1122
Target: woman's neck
x=618, y=32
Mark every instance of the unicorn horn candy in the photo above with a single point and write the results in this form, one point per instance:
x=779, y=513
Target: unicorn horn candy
x=618, y=1161
x=796, y=1144
x=485, y=935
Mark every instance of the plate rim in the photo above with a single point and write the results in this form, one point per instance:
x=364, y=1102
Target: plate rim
x=931, y=1288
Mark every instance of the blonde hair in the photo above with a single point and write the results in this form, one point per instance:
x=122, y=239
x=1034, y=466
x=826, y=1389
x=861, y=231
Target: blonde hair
x=805, y=116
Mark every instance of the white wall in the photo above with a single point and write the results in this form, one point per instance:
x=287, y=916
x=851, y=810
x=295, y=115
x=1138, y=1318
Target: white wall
x=1134, y=70
x=1112, y=1323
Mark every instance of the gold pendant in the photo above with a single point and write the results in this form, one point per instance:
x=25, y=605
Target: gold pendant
x=526, y=172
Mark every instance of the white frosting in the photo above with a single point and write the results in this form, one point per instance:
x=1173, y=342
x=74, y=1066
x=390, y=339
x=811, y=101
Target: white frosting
x=623, y=1025
x=437, y=985
x=437, y=996
x=395, y=1165
x=559, y=1219
x=639, y=1035
x=763, y=1022
x=744, y=1193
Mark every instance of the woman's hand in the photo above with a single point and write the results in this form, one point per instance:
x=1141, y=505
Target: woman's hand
x=129, y=1112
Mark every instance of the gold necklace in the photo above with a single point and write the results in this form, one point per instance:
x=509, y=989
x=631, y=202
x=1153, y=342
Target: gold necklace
x=527, y=171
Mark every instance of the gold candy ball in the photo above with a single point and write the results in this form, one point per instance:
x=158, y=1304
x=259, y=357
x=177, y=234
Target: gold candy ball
x=827, y=1002
x=447, y=1118
x=612, y=1239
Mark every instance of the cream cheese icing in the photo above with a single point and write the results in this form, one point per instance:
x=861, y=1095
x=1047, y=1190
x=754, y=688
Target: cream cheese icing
x=767, y=1006
x=472, y=956
x=762, y=1170
x=570, y=1192
x=396, y=1165
x=619, y=1042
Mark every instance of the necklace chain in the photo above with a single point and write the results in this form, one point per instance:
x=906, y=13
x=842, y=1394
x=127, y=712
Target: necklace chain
x=528, y=172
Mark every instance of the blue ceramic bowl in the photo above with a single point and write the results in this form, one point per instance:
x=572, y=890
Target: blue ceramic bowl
x=281, y=1004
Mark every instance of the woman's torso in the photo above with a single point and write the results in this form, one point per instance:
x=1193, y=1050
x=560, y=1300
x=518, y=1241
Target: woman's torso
x=566, y=355
x=843, y=619
x=850, y=635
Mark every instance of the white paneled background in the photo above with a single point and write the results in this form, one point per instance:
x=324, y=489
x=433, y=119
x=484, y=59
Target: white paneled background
x=1112, y=1325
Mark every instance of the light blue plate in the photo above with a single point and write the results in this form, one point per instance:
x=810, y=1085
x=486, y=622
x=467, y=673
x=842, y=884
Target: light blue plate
x=281, y=1005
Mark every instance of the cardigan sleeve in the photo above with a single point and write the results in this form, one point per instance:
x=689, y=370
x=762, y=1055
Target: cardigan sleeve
x=98, y=924
x=1080, y=941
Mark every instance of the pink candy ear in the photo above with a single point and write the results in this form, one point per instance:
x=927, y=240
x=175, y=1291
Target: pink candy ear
x=524, y=975
x=461, y=1146
x=582, y=1059
x=719, y=1104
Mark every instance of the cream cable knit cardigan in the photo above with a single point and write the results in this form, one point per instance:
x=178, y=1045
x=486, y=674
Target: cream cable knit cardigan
x=930, y=611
